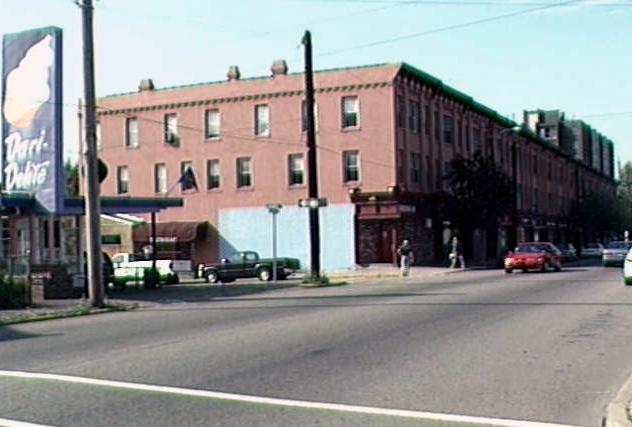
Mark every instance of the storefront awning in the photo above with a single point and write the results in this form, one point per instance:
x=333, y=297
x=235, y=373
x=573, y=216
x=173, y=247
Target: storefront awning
x=181, y=231
x=25, y=203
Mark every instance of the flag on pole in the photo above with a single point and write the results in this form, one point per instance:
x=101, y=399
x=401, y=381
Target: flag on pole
x=187, y=181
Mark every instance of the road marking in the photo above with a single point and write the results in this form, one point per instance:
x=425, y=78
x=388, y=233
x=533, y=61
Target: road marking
x=12, y=423
x=272, y=401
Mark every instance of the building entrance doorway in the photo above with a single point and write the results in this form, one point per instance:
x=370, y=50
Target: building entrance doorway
x=387, y=244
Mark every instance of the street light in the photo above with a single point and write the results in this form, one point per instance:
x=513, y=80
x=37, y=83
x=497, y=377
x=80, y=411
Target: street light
x=274, y=209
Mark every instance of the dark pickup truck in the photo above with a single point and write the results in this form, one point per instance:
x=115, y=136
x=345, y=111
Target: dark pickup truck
x=246, y=264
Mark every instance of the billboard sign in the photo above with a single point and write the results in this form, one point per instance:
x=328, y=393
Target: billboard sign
x=31, y=158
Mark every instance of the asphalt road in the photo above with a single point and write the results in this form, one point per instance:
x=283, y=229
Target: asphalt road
x=474, y=348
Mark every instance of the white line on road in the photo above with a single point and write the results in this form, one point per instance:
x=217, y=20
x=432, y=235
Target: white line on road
x=12, y=423
x=402, y=413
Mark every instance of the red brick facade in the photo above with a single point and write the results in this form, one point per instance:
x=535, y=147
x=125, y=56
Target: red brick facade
x=385, y=135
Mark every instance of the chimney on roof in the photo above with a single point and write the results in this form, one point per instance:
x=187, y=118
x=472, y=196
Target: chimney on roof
x=233, y=73
x=279, y=67
x=146, y=84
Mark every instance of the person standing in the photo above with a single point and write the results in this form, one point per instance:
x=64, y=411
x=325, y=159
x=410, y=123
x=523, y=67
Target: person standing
x=405, y=252
x=456, y=253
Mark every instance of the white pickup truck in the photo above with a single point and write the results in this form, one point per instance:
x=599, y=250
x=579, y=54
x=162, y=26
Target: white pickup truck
x=132, y=268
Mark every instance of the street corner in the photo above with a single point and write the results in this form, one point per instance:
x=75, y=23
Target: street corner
x=619, y=412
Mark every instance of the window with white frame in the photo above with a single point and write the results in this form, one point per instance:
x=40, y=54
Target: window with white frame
x=122, y=180
x=350, y=112
x=160, y=178
x=448, y=129
x=171, y=128
x=351, y=166
x=213, y=174
x=445, y=186
x=296, y=169
x=187, y=176
x=262, y=120
x=212, y=126
x=401, y=112
x=459, y=135
x=468, y=139
x=414, y=119
x=427, y=120
x=436, y=124
x=131, y=132
x=415, y=168
x=184, y=165
x=438, y=175
x=244, y=172
x=476, y=140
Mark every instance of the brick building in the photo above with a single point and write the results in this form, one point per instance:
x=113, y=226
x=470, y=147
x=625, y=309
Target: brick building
x=385, y=136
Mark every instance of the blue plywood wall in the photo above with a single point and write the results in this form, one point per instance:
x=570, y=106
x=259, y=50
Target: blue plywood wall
x=251, y=229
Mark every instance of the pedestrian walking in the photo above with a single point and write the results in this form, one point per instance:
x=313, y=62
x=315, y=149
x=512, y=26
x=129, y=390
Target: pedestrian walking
x=405, y=252
x=456, y=253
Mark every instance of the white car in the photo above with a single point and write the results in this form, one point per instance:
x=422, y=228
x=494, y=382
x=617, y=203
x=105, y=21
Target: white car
x=614, y=253
x=627, y=268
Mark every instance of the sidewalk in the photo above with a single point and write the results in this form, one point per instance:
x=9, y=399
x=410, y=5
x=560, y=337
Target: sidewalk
x=378, y=271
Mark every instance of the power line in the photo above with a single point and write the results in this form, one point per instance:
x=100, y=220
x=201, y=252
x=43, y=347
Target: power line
x=616, y=115
x=503, y=3
x=452, y=27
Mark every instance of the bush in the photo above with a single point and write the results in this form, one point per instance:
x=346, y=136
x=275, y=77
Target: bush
x=13, y=293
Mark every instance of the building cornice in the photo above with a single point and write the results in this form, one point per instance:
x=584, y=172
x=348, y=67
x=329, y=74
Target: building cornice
x=240, y=98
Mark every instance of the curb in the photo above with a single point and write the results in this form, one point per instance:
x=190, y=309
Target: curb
x=618, y=411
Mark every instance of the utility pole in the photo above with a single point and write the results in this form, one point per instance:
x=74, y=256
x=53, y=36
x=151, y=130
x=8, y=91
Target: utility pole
x=312, y=171
x=92, y=205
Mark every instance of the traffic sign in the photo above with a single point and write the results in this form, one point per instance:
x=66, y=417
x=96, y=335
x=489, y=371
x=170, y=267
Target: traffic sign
x=313, y=202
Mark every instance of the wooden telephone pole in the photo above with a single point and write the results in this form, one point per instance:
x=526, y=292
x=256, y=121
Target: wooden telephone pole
x=92, y=204
x=312, y=169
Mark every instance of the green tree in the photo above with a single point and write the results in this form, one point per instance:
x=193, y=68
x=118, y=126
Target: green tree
x=71, y=173
x=601, y=216
x=625, y=182
x=606, y=216
x=624, y=191
x=479, y=194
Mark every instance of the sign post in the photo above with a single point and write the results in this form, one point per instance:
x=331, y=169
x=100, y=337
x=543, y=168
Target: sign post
x=274, y=209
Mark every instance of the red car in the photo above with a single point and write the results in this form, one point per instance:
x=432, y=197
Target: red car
x=534, y=256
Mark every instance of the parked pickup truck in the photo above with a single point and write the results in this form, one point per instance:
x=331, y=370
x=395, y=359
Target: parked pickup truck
x=246, y=264
x=132, y=268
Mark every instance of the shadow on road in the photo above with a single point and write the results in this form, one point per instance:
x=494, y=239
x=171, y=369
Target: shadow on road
x=192, y=292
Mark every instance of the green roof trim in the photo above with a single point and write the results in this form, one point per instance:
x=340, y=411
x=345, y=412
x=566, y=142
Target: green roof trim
x=457, y=95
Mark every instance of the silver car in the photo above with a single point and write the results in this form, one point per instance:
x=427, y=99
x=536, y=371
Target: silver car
x=592, y=250
x=614, y=253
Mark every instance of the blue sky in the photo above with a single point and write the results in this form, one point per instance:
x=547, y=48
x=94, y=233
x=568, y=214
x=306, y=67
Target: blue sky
x=511, y=55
